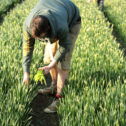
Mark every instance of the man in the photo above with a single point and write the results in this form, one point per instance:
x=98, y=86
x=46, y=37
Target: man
x=56, y=20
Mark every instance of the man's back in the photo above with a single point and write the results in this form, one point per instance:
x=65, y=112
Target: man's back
x=61, y=13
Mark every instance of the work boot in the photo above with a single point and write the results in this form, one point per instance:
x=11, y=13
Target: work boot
x=52, y=108
x=48, y=90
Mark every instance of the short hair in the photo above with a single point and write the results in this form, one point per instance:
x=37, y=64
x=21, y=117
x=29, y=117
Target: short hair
x=39, y=25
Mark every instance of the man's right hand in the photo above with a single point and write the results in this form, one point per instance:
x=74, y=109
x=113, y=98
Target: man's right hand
x=26, y=79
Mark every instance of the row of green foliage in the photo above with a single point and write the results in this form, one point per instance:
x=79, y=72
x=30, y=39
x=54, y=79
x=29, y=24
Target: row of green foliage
x=15, y=98
x=96, y=88
x=115, y=10
x=5, y=5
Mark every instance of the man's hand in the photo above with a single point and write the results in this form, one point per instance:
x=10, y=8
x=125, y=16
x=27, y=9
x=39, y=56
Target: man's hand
x=26, y=79
x=47, y=68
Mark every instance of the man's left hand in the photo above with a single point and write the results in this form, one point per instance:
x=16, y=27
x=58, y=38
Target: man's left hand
x=49, y=67
x=46, y=69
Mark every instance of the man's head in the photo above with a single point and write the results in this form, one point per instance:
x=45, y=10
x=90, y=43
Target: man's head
x=39, y=26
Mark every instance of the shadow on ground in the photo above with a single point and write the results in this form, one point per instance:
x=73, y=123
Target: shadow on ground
x=39, y=118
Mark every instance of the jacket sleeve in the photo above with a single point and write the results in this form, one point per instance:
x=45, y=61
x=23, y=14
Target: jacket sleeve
x=28, y=47
x=64, y=45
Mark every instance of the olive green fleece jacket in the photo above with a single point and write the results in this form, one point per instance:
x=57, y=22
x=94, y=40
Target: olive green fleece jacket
x=62, y=15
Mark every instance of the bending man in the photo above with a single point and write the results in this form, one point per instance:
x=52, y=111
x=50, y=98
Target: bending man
x=56, y=20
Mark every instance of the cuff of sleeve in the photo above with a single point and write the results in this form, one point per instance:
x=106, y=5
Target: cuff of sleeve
x=59, y=54
x=26, y=69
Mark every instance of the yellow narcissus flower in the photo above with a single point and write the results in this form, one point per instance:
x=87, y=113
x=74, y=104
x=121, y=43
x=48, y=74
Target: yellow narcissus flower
x=39, y=77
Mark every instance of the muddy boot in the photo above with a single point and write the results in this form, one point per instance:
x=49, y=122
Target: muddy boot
x=48, y=90
x=53, y=107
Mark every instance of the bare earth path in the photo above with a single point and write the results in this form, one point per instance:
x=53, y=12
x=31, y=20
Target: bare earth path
x=38, y=104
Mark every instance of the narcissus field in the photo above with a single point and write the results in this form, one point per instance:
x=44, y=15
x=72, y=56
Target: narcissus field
x=95, y=93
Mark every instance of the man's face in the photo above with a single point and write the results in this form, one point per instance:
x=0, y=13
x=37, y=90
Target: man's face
x=41, y=36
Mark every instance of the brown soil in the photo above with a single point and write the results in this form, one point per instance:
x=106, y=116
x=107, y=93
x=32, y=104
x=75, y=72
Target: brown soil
x=40, y=102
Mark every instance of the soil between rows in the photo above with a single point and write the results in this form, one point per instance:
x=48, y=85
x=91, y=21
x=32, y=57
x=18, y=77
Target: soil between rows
x=40, y=102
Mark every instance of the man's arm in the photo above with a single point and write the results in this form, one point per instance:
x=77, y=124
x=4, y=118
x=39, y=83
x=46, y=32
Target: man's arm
x=64, y=45
x=28, y=47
